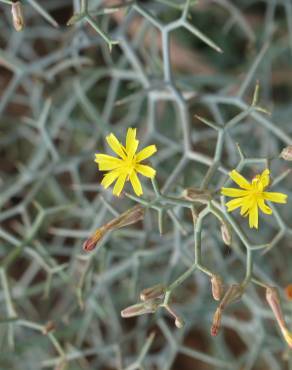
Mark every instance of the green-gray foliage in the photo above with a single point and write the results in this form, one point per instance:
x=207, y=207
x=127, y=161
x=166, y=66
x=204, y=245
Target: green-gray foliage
x=63, y=89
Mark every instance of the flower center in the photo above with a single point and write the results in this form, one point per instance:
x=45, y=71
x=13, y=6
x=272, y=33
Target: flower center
x=129, y=165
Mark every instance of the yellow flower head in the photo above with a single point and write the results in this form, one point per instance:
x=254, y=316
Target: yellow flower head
x=128, y=164
x=252, y=196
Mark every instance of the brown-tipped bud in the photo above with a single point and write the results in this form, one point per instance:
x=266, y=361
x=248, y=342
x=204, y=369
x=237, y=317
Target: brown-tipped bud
x=156, y=291
x=17, y=16
x=286, y=153
x=141, y=308
x=217, y=287
x=226, y=233
x=127, y=218
x=91, y=242
x=216, y=322
x=273, y=299
x=131, y=216
x=49, y=327
x=233, y=294
x=197, y=195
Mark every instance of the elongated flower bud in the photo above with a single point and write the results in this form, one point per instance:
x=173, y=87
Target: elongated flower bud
x=138, y=309
x=226, y=234
x=217, y=287
x=17, y=16
x=216, y=322
x=286, y=153
x=156, y=291
x=127, y=218
x=273, y=299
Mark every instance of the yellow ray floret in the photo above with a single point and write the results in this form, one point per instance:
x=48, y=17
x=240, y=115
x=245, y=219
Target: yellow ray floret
x=127, y=165
x=251, y=197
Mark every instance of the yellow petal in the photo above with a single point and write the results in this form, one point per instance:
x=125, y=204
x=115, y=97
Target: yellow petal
x=263, y=207
x=253, y=217
x=231, y=192
x=265, y=178
x=130, y=138
x=145, y=170
x=136, y=184
x=109, y=178
x=240, y=180
x=146, y=153
x=119, y=184
x=275, y=197
x=234, y=203
x=131, y=143
x=104, y=157
x=116, y=146
x=107, y=163
x=288, y=336
x=109, y=166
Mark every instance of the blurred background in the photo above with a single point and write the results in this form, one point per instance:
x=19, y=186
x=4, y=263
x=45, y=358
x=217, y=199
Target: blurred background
x=65, y=83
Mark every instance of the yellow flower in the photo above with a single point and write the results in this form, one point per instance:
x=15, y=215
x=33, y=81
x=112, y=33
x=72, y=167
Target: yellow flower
x=252, y=196
x=127, y=166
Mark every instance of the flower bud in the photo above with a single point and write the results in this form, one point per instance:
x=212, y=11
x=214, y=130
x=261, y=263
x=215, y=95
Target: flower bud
x=272, y=297
x=216, y=322
x=197, y=195
x=127, y=218
x=226, y=234
x=17, y=16
x=156, y=291
x=286, y=153
x=91, y=242
x=217, y=287
x=138, y=309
